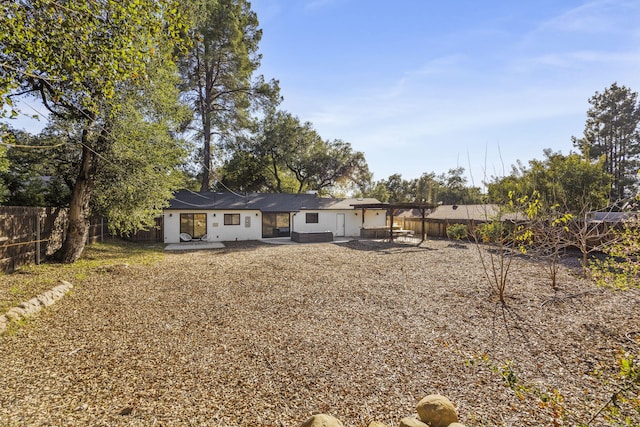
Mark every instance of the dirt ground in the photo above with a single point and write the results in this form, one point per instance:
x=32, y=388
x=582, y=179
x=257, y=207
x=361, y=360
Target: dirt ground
x=266, y=335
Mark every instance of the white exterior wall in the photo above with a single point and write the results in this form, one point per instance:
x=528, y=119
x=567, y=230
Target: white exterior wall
x=249, y=229
x=328, y=221
x=374, y=218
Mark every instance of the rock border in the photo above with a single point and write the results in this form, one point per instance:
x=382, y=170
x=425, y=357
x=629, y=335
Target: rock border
x=34, y=305
x=434, y=410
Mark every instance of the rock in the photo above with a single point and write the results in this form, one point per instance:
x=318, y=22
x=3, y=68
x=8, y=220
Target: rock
x=377, y=424
x=3, y=323
x=437, y=411
x=30, y=306
x=456, y=425
x=322, y=420
x=412, y=422
x=55, y=293
x=16, y=313
x=45, y=300
x=34, y=305
x=36, y=302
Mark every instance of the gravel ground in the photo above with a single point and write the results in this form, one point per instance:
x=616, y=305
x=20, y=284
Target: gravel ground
x=266, y=335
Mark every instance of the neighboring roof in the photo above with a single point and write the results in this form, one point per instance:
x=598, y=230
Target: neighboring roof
x=468, y=212
x=264, y=202
x=609, y=216
x=344, y=203
x=410, y=213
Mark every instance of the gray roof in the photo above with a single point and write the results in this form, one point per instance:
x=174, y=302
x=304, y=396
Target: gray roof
x=486, y=212
x=264, y=202
x=608, y=216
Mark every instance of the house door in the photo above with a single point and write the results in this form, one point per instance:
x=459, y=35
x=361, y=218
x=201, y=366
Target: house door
x=193, y=224
x=275, y=224
x=340, y=224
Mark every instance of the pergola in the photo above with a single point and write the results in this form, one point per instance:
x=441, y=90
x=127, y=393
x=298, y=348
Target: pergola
x=391, y=209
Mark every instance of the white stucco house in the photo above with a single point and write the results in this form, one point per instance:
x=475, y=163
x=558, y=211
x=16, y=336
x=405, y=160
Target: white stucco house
x=217, y=217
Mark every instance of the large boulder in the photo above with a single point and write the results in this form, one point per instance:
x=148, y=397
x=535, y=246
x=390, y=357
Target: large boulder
x=412, y=422
x=322, y=420
x=437, y=411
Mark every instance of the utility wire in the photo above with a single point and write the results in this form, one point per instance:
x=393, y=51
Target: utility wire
x=10, y=145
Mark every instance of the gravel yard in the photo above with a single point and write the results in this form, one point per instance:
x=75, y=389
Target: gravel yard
x=266, y=335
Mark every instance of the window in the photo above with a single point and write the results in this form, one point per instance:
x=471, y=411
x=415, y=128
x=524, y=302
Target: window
x=194, y=224
x=312, y=218
x=231, y=219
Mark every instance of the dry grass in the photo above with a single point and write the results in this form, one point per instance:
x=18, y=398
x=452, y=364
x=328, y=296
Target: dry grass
x=261, y=335
x=32, y=280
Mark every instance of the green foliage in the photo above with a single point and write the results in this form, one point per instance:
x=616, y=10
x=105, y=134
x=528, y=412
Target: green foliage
x=450, y=188
x=34, y=176
x=4, y=166
x=495, y=232
x=611, y=133
x=141, y=168
x=243, y=172
x=623, y=406
x=565, y=182
x=457, y=231
x=288, y=156
x=556, y=196
x=76, y=59
x=621, y=267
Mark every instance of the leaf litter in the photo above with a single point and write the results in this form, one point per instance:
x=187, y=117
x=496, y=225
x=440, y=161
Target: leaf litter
x=267, y=335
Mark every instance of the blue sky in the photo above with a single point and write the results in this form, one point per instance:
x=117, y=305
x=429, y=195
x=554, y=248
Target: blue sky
x=425, y=86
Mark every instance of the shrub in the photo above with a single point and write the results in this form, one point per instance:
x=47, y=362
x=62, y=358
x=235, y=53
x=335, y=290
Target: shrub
x=457, y=231
x=621, y=267
x=494, y=232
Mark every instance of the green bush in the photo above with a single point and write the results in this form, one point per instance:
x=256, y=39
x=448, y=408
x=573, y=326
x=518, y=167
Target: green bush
x=457, y=231
x=621, y=267
x=496, y=232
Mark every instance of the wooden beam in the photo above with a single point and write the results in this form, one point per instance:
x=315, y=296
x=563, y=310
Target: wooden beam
x=392, y=211
x=424, y=233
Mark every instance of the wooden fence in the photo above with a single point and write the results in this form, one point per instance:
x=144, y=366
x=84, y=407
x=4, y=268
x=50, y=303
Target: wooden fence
x=154, y=235
x=434, y=227
x=31, y=234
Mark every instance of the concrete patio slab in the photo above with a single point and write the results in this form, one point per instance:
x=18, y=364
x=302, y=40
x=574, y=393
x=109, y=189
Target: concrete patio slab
x=193, y=246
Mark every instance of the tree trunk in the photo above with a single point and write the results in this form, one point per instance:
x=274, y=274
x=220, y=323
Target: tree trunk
x=78, y=228
x=206, y=157
x=205, y=94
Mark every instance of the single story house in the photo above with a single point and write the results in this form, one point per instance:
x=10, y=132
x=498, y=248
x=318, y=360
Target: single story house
x=217, y=216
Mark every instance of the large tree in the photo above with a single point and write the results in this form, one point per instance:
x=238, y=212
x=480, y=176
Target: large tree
x=218, y=74
x=611, y=131
x=285, y=155
x=454, y=189
x=74, y=56
x=449, y=188
x=142, y=164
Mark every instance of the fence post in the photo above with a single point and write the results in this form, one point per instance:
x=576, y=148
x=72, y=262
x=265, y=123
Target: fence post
x=38, y=233
x=101, y=229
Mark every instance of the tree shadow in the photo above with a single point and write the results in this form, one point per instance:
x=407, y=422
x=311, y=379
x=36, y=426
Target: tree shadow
x=384, y=247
